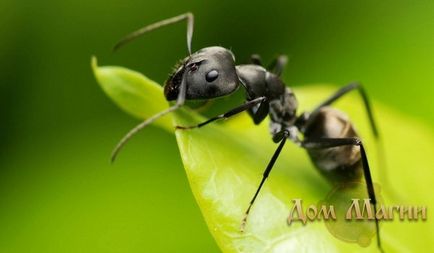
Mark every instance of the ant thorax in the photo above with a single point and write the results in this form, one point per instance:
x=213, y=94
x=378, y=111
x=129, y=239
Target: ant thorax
x=283, y=112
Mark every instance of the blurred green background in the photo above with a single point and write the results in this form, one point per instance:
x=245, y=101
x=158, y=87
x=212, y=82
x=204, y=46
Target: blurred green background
x=58, y=192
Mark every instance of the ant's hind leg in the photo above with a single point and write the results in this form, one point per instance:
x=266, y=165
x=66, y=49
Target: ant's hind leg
x=345, y=90
x=382, y=163
x=324, y=143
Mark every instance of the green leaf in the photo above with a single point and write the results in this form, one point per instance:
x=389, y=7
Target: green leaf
x=224, y=164
x=132, y=91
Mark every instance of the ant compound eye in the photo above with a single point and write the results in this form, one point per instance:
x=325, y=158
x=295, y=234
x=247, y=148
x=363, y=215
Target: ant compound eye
x=212, y=75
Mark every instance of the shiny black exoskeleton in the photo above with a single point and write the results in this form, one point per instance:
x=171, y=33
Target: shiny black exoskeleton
x=327, y=134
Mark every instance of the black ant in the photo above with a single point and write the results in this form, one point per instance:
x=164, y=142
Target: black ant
x=329, y=137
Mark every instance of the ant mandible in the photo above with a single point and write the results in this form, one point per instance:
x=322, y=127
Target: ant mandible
x=329, y=137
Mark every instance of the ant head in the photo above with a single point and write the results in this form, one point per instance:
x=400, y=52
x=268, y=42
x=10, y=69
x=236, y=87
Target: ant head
x=209, y=73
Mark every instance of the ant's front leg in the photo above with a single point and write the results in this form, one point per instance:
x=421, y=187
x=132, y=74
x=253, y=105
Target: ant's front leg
x=228, y=114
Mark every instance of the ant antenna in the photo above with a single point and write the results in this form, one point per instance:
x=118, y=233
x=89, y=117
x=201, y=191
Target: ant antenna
x=183, y=87
x=134, y=35
x=179, y=102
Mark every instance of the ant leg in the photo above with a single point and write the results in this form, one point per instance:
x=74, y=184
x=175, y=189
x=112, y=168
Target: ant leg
x=281, y=136
x=324, y=143
x=344, y=91
x=190, y=22
x=256, y=59
x=228, y=114
x=259, y=112
x=179, y=102
x=278, y=64
x=380, y=149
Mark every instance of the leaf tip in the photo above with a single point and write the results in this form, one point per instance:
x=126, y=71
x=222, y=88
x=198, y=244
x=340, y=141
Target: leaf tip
x=94, y=62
